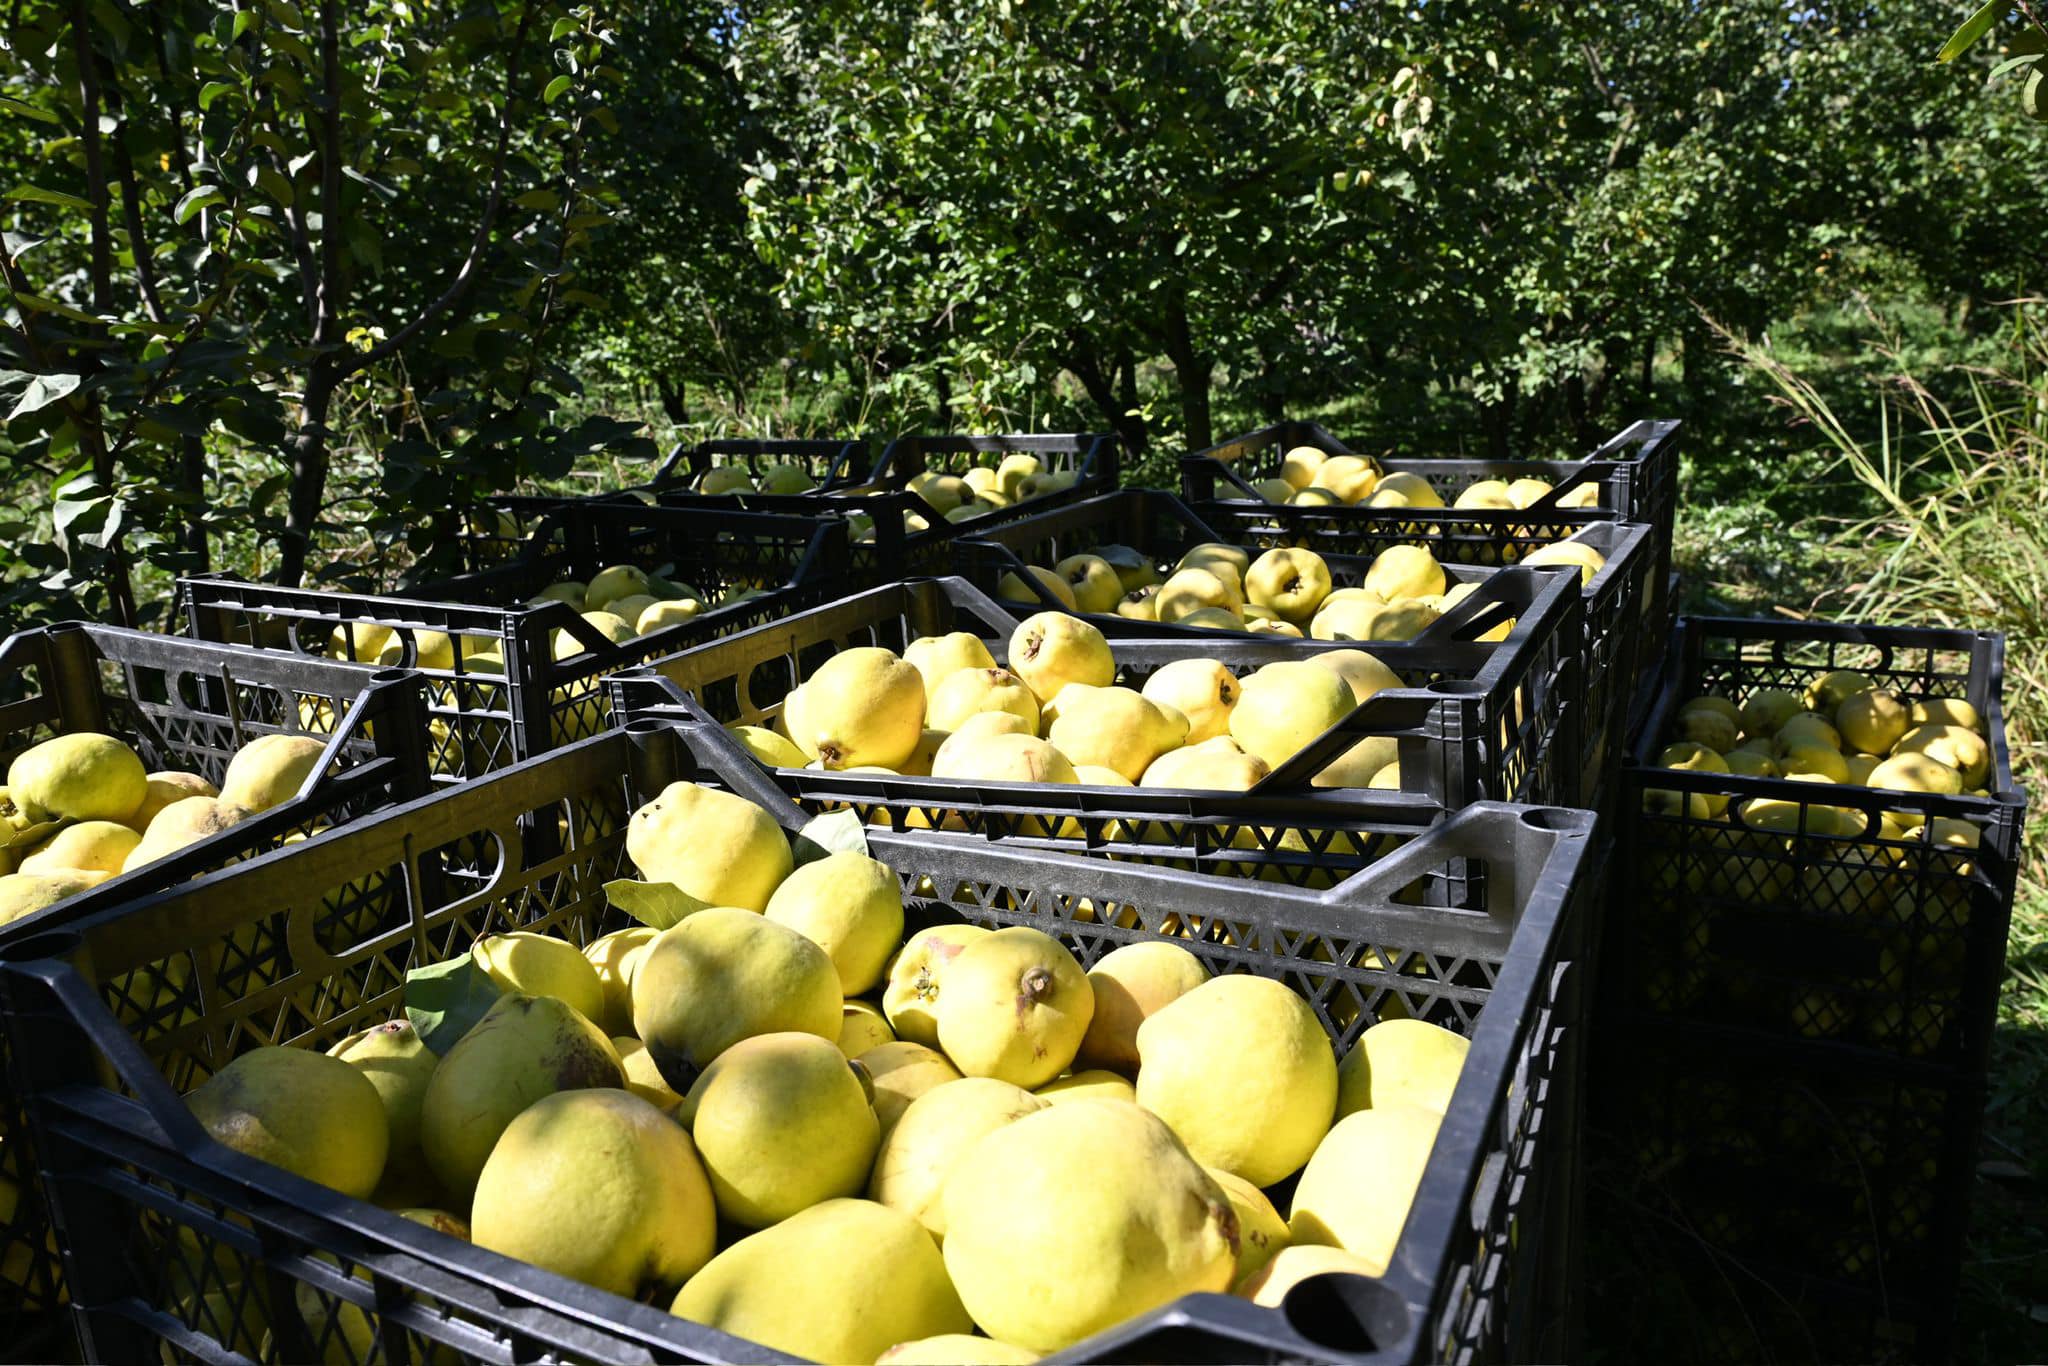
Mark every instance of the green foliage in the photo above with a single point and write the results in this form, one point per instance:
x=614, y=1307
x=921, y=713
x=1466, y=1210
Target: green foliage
x=1025, y=189
x=1490, y=218
x=240, y=225
x=251, y=328
x=1956, y=473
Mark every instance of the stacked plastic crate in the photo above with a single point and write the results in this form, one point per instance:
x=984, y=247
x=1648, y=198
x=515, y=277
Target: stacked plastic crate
x=542, y=733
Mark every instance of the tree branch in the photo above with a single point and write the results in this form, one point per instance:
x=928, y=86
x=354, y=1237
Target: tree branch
x=1282, y=278
x=465, y=276
x=131, y=216
x=95, y=174
x=327, y=313
x=2032, y=18
x=301, y=236
x=163, y=66
x=195, y=327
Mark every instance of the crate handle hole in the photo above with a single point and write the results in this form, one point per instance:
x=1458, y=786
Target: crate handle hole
x=52, y=944
x=1553, y=818
x=1345, y=1312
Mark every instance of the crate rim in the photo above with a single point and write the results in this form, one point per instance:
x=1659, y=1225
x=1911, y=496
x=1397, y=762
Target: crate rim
x=412, y=612
x=691, y=460
x=1627, y=538
x=1555, y=610
x=399, y=764
x=1639, y=757
x=1088, y=447
x=1653, y=434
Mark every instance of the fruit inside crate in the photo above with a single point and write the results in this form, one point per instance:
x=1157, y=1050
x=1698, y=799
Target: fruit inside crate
x=135, y=759
x=923, y=492
x=516, y=655
x=1826, y=835
x=1139, y=556
x=1457, y=719
x=1633, y=475
x=1505, y=510
x=1293, y=585
x=183, y=1246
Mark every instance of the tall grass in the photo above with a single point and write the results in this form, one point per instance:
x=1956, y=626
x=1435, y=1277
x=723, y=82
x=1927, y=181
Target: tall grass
x=1952, y=529
x=1953, y=526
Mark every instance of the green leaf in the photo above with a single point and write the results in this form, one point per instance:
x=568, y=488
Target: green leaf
x=1974, y=27
x=213, y=90
x=657, y=905
x=36, y=194
x=2013, y=64
x=42, y=391
x=445, y=1000
x=36, y=303
x=378, y=188
x=557, y=88
x=197, y=198
x=835, y=832
x=244, y=21
x=540, y=201
x=27, y=110
x=273, y=185
x=29, y=836
x=1123, y=557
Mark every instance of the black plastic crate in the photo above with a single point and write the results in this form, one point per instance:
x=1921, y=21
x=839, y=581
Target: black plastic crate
x=1616, y=601
x=830, y=463
x=500, y=528
x=1636, y=471
x=190, y=705
x=1756, y=1203
x=1794, y=1024
x=1860, y=943
x=176, y=1246
x=186, y=705
x=483, y=718
x=1477, y=721
x=884, y=547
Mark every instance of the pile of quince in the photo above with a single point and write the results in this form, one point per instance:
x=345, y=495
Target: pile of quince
x=771, y=1110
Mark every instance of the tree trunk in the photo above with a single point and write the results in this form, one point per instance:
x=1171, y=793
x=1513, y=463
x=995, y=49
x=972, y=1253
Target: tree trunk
x=1272, y=400
x=1120, y=411
x=192, y=474
x=1499, y=420
x=1576, y=407
x=1611, y=364
x=1693, y=361
x=1193, y=372
x=674, y=400
x=309, y=477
